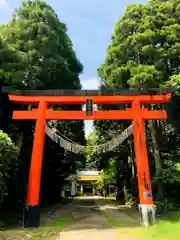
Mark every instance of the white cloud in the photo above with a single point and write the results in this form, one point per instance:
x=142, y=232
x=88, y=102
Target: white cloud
x=3, y=3
x=90, y=84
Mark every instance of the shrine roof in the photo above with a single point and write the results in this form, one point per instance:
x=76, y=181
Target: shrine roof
x=85, y=175
x=88, y=173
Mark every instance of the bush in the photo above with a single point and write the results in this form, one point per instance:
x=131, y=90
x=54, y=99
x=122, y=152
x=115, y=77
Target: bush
x=8, y=161
x=170, y=182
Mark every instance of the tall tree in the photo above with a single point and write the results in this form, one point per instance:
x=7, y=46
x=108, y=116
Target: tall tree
x=49, y=59
x=144, y=52
x=41, y=57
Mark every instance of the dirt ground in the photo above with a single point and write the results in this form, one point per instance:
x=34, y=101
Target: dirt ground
x=91, y=216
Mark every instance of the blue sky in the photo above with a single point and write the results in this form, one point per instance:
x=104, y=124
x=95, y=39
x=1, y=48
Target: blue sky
x=90, y=24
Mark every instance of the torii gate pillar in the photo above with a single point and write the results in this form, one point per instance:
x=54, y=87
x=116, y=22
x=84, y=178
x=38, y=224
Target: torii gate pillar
x=146, y=207
x=32, y=210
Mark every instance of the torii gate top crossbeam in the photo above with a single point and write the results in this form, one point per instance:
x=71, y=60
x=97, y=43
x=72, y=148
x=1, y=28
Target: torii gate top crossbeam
x=52, y=97
x=102, y=92
x=109, y=96
x=145, y=99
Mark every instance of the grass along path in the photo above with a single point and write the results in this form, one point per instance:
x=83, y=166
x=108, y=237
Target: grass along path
x=167, y=228
x=46, y=231
x=51, y=224
x=161, y=231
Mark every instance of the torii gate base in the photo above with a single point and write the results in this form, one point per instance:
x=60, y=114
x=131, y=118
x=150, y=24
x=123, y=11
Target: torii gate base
x=136, y=113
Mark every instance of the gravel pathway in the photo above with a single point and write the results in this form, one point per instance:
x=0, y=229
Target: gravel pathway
x=90, y=222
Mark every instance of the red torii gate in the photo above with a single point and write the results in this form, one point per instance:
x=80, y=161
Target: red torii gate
x=136, y=113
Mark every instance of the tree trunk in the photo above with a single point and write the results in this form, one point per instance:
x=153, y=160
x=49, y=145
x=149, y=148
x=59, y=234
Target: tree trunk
x=156, y=153
x=119, y=183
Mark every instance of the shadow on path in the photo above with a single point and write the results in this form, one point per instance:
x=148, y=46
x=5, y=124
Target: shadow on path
x=97, y=213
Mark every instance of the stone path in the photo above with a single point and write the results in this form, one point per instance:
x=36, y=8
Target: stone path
x=90, y=223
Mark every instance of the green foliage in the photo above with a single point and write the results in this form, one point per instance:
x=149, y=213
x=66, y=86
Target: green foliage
x=108, y=175
x=91, y=159
x=8, y=161
x=169, y=178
